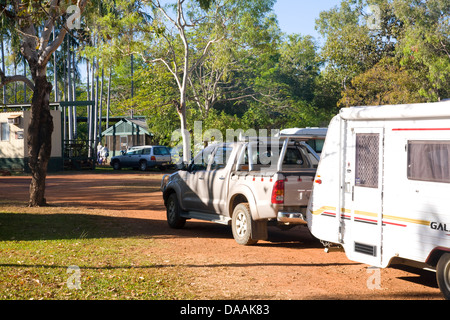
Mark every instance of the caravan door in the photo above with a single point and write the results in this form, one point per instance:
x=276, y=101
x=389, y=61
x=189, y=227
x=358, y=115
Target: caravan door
x=367, y=195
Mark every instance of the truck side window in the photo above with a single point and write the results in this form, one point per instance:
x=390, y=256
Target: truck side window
x=429, y=161
x=221, y=158
x=201, y=161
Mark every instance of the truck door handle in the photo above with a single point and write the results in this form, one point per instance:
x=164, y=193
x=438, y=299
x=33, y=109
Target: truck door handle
x=222, y=178
x=201, y=178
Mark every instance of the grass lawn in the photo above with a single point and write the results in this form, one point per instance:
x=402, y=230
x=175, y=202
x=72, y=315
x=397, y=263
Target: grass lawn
x=53, y=253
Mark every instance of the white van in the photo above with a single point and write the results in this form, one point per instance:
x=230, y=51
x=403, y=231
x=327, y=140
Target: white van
x=382, y=188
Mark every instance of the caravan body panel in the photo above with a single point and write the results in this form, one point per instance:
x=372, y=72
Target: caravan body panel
x=383, y=183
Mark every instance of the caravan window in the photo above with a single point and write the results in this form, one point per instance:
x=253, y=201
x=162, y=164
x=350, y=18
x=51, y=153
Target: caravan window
x=429, y=161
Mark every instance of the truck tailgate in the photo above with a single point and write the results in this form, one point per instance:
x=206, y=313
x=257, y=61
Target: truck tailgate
x=297, y=187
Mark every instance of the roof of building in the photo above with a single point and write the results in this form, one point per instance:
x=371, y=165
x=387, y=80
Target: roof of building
x=128, y=126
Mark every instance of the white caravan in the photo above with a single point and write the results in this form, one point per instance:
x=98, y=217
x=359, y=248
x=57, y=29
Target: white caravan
x=382, y=188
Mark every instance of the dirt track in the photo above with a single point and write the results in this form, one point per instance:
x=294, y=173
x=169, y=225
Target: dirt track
x=291, y=265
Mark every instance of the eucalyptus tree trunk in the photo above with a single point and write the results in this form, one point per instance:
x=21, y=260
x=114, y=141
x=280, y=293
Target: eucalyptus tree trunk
x=188, y=64
x=74, y=96
x=39, y=138
x=4, y=69
x=37, y=50
x=108, y=99
x=69, y=90
x=55, y=74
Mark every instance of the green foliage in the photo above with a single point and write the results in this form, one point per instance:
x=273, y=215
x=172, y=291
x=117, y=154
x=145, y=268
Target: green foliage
x=386, y=83
x=405, y=59
x=426, y=42
x=352, y=47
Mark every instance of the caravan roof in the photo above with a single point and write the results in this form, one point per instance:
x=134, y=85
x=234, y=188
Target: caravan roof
x=409, y=111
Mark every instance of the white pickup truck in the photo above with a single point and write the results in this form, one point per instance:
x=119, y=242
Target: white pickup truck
x=247, y=184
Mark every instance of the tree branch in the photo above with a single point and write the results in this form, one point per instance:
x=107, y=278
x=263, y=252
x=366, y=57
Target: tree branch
x=205, y=52
x=4, y=80
x=170, y=70
x=48, y=26
x=48, y=51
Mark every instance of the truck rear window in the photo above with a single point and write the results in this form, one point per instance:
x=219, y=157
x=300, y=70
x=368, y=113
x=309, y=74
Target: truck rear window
x=263, y=156
x=429, y=161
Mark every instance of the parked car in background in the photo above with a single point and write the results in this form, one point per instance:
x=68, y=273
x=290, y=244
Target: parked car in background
x=143, y=157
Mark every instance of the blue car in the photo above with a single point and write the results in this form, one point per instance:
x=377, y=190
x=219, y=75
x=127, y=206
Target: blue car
x=143, y=157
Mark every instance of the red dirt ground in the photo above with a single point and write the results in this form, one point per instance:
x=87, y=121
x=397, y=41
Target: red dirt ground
x=291, y=265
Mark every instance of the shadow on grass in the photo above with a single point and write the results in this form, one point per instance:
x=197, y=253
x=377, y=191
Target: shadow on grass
x=63, y=226
x=29, y=227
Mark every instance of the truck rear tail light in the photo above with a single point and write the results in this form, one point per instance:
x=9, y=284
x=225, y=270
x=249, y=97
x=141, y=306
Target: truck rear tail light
x=153, y=158
x=278, y=192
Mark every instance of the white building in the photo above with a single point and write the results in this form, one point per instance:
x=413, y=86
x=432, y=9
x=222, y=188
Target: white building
x=13, y=141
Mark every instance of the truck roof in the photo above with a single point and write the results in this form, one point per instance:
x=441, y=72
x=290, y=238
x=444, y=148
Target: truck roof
x=407, y=111
x=315, y=132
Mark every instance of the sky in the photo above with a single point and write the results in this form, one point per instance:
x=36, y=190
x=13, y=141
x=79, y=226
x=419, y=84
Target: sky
x=299, y=16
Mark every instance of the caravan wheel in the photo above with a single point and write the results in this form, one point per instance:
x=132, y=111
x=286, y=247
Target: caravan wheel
x=443, y=275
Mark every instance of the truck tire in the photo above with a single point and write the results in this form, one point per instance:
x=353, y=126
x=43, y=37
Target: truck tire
x=242, y=225
x=443, y=275
x=174, y=218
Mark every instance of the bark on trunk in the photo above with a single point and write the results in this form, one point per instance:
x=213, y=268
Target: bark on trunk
x=181, y=109
x=39, y=140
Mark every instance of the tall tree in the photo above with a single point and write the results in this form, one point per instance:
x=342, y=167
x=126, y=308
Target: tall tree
x=217, y=79
x=175, y=26
x=357, y=37
x=425, y=43
x=34, y=22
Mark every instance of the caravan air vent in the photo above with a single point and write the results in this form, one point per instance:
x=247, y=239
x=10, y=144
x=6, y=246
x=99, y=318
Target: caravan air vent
x=366, y=249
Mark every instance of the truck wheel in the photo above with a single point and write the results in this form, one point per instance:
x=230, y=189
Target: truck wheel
x=174, y=218
x=443, y=275
x=242, y=225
